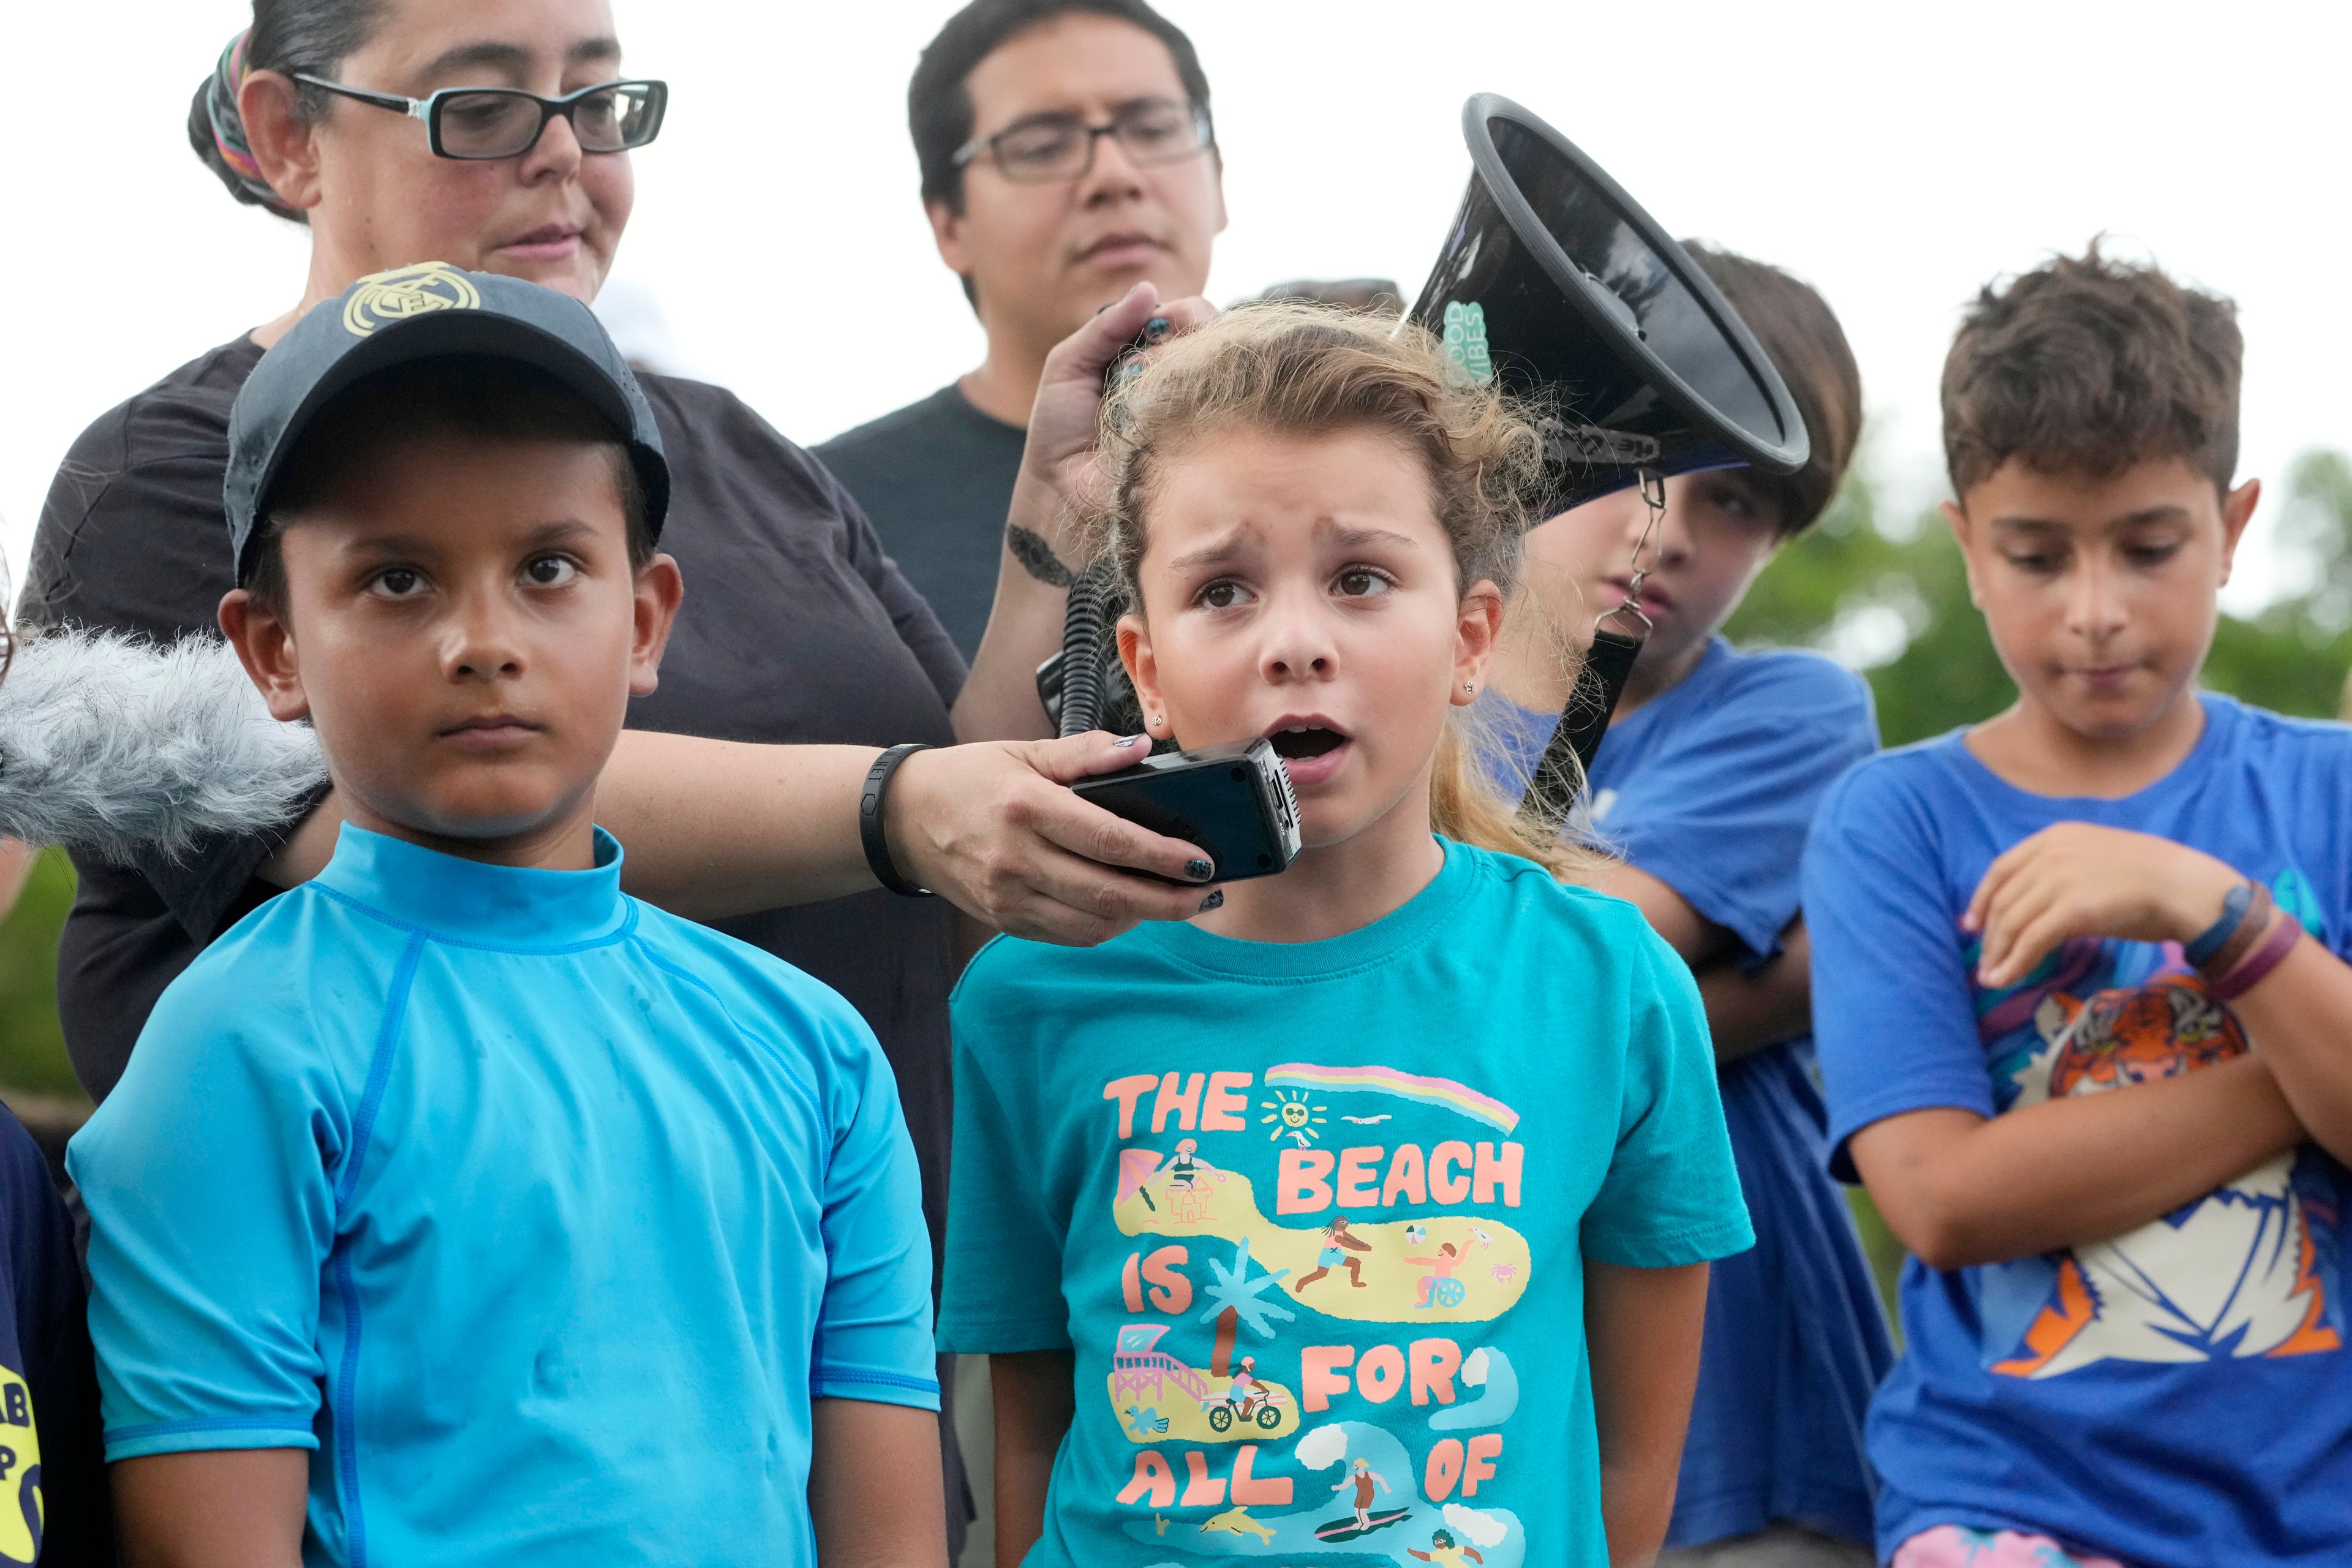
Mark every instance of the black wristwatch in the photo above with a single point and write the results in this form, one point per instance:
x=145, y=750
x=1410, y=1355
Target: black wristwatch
x=869, y=820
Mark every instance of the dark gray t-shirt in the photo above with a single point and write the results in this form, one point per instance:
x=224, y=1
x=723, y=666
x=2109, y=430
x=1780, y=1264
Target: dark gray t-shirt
x=937, y=479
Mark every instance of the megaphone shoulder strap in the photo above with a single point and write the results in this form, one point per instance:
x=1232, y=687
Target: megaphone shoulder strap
x=1601, y=678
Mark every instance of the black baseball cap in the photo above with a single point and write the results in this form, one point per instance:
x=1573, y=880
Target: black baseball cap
x=432, y=311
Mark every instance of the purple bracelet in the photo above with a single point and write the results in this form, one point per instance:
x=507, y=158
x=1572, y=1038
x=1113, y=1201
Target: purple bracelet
x=2250, y=971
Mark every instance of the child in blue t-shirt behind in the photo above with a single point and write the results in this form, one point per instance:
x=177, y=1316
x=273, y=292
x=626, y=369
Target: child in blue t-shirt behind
x=1715, y=761
x=456, y=1207
x=2082, y=996
x=1367, y=1217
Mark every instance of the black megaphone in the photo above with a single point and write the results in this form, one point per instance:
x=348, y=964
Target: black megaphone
x=1554, y=282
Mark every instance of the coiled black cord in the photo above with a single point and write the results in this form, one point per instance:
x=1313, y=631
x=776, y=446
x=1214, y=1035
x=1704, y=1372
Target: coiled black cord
x=1093, y=601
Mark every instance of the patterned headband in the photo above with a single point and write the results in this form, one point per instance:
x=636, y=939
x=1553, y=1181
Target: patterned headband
x=228, y=127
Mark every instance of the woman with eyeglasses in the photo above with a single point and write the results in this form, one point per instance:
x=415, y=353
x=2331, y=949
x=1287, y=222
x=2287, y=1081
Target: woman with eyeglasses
x=497, y=138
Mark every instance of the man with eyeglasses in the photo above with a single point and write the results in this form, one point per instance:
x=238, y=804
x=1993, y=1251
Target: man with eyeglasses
x=1066, y=154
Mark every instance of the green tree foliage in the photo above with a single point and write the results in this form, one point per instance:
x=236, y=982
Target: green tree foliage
x=2294, y=655
x=32, y=1045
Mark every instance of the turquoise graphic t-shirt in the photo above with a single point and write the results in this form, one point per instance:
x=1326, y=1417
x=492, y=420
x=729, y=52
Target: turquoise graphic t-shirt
x=1313, y=1216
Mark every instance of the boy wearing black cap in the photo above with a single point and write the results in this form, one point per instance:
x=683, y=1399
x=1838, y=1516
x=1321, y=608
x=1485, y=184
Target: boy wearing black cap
x=504, y=1218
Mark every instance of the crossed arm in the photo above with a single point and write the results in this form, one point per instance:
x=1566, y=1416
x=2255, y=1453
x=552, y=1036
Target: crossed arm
x=1960, y=1189
x=1746, y=1009
x=871, y=1467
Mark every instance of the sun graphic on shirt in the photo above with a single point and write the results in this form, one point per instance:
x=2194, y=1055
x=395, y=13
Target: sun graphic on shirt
x=1291, y=1117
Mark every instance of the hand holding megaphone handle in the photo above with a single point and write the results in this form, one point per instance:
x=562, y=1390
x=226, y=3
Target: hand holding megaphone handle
x=1600, y=679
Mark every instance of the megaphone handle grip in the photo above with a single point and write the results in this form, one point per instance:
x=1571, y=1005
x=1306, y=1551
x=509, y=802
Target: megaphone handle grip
x=1599, y=682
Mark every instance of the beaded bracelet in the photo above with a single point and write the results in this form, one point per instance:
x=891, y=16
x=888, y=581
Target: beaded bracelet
x=2284, y=934
x=2242, y=941
x=2233, y=915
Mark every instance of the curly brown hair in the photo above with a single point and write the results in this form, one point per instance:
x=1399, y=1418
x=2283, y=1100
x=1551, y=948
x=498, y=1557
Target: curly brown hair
x=1302, y=369
x=2088, y=365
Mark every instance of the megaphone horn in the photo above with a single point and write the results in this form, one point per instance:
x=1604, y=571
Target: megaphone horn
x=1556, y=285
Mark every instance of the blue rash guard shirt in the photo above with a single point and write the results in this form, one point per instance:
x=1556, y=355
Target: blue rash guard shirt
x=539, y=1214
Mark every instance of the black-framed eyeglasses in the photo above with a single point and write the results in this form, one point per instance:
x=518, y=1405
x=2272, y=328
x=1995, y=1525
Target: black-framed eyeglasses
x=486, y=122
x=1062, y=146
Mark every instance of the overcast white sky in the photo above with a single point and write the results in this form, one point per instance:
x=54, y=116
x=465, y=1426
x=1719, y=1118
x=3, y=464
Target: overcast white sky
x=1897, y=155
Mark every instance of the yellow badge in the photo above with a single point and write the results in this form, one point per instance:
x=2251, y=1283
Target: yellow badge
x=20, y=1456
x=406, y=291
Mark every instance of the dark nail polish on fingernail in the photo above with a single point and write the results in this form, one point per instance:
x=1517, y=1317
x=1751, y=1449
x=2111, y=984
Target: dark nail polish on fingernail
x=1156, y=327
x=1124, y=741
x=1215, y=900
x=1198, y=870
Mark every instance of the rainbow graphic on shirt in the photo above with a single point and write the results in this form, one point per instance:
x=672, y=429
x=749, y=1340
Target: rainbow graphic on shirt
x=1438, y=1091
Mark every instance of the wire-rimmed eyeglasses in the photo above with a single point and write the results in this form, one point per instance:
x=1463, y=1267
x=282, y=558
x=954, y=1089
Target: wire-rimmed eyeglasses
x=486, y=122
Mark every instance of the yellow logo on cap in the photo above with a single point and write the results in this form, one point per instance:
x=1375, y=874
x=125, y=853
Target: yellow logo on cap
x=406, y=291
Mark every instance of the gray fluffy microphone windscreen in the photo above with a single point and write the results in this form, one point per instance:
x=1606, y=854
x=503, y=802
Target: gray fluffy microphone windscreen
x=116, y=747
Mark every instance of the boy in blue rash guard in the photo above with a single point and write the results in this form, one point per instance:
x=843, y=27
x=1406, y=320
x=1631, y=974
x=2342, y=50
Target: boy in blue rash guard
x=458, y=1208
x=1706, y=783
x=2082, y=994
x=1367, y=1218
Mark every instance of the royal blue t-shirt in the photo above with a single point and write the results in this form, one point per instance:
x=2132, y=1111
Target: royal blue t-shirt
x=542, y=1215
x=2178, y=1397
x=1313, y=1216
x=1710, y=787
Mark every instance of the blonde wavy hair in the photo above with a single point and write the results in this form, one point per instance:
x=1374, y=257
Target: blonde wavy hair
x=1300, y=369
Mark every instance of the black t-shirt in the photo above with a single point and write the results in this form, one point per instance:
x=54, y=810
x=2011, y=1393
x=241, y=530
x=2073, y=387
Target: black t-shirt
x=795, y=629
x=937, y=479
x=54, y=1506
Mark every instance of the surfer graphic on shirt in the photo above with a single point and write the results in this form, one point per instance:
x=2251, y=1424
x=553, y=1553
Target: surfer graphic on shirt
x=1363, y=1477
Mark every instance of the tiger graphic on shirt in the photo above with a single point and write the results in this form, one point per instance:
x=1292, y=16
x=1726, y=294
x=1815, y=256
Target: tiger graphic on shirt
x=2249, y=1270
